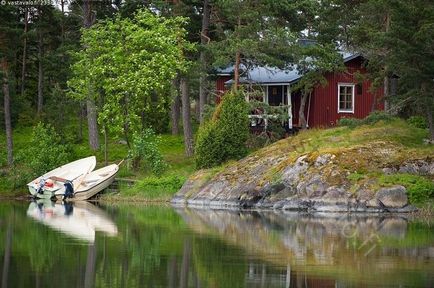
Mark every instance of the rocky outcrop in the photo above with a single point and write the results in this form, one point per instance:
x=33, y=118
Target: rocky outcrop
x=332, y=179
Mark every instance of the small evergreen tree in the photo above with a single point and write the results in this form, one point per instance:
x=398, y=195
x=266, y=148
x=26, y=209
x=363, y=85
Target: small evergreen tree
x=224, y=136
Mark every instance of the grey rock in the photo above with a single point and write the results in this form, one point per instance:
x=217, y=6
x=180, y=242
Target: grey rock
x=297, y=205
x=335, y=193
x=315, y=187
x=419, y=167
x=272, y=189
x=364, y=194
x=324, y=159
x=389, y=170
x=409, y=168
x=291, y=174
x=393, y=197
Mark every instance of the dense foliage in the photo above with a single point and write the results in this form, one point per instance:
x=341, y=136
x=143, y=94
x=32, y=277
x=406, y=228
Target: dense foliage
x=224, y=136
x=45, y=151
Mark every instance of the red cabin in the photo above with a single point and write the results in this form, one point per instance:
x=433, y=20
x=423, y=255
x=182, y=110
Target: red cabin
x=343, y=96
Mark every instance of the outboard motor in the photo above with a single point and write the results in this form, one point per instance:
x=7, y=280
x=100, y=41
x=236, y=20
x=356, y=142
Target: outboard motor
x=69, y=189
x=40, y=189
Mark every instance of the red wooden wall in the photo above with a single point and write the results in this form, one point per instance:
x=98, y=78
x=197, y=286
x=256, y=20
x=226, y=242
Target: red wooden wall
x=324, y=101
x=220, y=87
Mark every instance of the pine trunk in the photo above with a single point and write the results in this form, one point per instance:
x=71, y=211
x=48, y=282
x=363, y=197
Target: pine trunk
x=203, y=59
x=23, y=68
x=302, y=119
x=92, y=124
x=188, y=134
x=40, y=75
x=88, y=20
x=7, y=111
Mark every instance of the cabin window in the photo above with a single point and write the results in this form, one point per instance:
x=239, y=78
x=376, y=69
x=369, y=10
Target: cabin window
x=345, y=98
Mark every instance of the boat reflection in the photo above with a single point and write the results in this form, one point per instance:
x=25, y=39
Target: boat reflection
x=79, y=220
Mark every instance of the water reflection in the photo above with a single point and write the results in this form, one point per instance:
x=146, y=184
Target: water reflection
x=157, y=246
x=79, y=220
x=345, y=248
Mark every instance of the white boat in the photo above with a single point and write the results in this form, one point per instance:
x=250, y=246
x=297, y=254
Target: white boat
x=90, y=185
x=45, y=185
x=79, y=220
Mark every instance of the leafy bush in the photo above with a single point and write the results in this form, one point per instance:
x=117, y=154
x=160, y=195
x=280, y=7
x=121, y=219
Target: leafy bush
x=224, y=136
x=145, y=146
x=417, y=122
x=45, y=150
x=419, y=189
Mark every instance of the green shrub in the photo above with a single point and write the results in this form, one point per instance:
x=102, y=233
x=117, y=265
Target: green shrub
x=350, y=122
x=145, y=146
x=377, y=116
x=417, y=122
x=419, y=189
x=45, y=151
x=224, y=136
x=209, y=145
x=372, y=118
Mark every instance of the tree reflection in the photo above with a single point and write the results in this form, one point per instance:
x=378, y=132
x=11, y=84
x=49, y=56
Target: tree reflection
x=157, y=246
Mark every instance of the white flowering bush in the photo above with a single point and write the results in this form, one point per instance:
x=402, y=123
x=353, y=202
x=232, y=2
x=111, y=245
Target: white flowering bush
x=145, y=147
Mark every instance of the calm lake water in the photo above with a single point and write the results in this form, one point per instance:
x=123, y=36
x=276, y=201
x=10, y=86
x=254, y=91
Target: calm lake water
x=85, y=245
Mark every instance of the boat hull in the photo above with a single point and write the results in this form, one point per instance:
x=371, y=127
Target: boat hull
x=71, y=171
x=92, y=190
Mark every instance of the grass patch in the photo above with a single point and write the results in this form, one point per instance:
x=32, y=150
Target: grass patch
x=151, y=187
x=171, y=146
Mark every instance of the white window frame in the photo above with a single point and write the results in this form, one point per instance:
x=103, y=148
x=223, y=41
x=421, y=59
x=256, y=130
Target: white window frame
x=353, y=86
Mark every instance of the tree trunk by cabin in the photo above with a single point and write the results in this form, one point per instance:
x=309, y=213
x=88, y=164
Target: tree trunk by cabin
x=302, y=119
x=7, y=256
x=186, y=121
x=40, y=74
x=386, y=81
x=88, y=20
x=237, y=70
x=7, y=110
x=204, y=39
x=23, y=67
